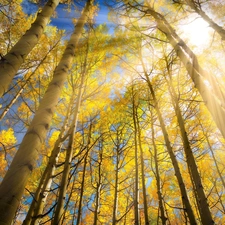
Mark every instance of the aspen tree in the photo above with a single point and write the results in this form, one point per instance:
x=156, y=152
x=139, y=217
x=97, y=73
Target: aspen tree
x=72, y=184
x=121, y=142
x=214, y=98
x=11, y=62
x=79, y=213
x=180, y=181
x=69, y=153
x=40, y=196
x=80, y=203
x=99, y=182
x=136, y=187
x=117, y=150
x=157, y=175
x=142, y=169
x=192, y=166
x=12, y=186
x=115, y=202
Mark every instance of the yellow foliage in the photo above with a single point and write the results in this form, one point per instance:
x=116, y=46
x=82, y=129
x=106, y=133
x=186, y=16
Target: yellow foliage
x=7, y=137
x=53, y=138
x=7, y=140
x=25, y=112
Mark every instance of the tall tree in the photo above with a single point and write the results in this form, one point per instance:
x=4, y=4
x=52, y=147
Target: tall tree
x=157, y=174
x=142, y=162
x=25, y=158
x=134, y=101
x=69, y=153
x=41, y=193
x=183, y=191
x=204, y=210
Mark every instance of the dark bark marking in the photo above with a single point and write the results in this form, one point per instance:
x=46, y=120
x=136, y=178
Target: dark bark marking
x=32, y=131
x=56, y=84
x=49, y=110
x=30, y=167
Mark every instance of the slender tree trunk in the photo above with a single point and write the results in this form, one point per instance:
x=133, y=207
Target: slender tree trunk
x=46, y=187
x=72, y=175
x=41, y=193
x=136, y=187
x=97, y=202
x=183, y=191
x=125, y=217
x=115, y=203
x=192, y=167
x=184, y=195
x=79, y=213
x=142, y=170
x=13, y=184
x=69, y=154
x=98, y=189
x=11, y=62
x=205, y=17
x=58, y=214
x=220, y=199
x=157, y=176
x=204, y=210
x=213, y=98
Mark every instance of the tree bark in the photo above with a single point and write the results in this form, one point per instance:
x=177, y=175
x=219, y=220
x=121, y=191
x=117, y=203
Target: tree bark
x=13, y=184
x=204, y=210
x=157, y=175
x=11, y=62
x=79, y=213
x=23, y=86
x=178, y=175
x=142, y=170
x=136, y=187
x=69, y=154
x=37, y=205
x=98, y=188
x=115, y=203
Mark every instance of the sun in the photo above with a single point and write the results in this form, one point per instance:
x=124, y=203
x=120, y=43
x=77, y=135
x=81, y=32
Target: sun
x=196, y=31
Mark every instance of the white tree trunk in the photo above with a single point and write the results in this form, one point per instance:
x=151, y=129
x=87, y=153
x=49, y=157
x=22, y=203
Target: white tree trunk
x=11, y=62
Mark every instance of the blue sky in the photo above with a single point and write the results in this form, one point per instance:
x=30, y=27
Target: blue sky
x=64, y=18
